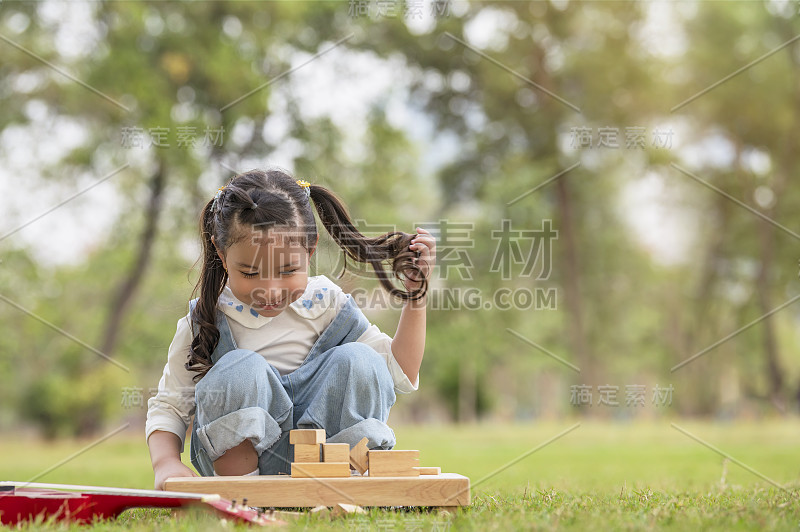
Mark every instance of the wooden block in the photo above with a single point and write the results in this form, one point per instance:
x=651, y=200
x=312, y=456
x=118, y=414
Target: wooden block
x=320, y=469
x=306, y=452
x=423, y=470
x=344, y=509
x=393, y=463
x=358, y=456
x=335, y=452
x=308, y=436
x=283, y=491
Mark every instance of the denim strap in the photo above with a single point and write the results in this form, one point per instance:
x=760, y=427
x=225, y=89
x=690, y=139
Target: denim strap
x=226, y=342
x=348, y=325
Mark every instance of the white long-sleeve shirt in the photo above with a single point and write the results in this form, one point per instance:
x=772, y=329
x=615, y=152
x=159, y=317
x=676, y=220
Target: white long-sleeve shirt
x=283, y=340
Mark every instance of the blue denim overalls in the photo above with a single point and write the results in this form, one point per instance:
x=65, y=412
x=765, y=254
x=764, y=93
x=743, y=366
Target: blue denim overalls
x=342, y=386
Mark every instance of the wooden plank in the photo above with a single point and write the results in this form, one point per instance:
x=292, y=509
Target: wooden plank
x=307, y=436
x=423, y=470
x=335, y=452
x=358, y=456
x=282, y=491
x=306, y=452
x=383, y=463
x=320, y=469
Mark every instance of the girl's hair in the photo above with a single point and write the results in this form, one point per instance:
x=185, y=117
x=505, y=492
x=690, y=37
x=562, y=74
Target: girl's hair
x=273, y=199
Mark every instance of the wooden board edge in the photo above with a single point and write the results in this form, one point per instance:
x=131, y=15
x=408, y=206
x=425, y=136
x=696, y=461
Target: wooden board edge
x=312, y=492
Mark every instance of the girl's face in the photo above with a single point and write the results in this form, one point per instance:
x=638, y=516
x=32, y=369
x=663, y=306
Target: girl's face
x=266, y=271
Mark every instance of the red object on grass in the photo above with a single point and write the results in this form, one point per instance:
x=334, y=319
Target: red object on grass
x=25, y=501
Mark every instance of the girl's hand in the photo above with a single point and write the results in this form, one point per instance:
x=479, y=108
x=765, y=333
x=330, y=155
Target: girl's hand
x=425, y=246
x=172, y=468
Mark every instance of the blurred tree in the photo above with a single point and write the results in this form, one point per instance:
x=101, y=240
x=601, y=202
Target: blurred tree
x=173, y=94
x=507, y=87
x=510, y=101
x=750, y=248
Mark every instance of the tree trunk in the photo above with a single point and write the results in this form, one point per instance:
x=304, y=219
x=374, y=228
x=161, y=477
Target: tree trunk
x=572, y=280
x=127, y=290
x=567, y=233
x=772, y=361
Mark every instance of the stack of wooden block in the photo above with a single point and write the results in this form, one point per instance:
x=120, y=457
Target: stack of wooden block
x=315, y=458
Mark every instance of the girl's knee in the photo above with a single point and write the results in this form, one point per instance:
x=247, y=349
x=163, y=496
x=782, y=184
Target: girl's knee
x=355, y=354
x=232, y=371
x=361, y=361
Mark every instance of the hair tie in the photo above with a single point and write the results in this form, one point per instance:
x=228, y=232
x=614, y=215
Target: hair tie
x=306, y=186
x=254, y=206
x=217, y=196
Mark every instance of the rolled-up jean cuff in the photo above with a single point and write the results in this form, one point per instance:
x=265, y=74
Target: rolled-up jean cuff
x=379, y=434
x=252, y=423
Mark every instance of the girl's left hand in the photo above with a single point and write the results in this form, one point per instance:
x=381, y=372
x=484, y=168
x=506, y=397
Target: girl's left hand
x=425, y=246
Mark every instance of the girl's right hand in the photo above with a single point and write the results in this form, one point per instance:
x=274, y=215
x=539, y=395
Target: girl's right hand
x=172, y=468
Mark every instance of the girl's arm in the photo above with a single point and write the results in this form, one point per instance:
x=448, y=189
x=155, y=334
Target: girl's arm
x=171, y=408
x=169, y=411
x=164, y=447
x=165, y=455
x=408, y=345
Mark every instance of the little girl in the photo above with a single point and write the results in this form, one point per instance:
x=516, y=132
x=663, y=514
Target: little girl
x=266, y=349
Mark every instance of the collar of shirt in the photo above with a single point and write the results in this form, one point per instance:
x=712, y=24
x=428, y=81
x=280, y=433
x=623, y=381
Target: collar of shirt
x=318, y=297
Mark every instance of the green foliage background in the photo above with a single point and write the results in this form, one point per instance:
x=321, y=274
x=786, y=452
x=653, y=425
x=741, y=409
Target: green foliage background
x=622, y=316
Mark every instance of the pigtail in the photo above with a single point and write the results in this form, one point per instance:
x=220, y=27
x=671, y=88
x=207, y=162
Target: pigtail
x=210, y=285
x=392, y=246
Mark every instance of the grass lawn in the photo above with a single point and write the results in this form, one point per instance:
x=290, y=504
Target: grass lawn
x=599, y=476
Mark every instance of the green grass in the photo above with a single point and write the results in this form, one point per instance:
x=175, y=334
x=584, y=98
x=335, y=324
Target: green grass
x=597, y=477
